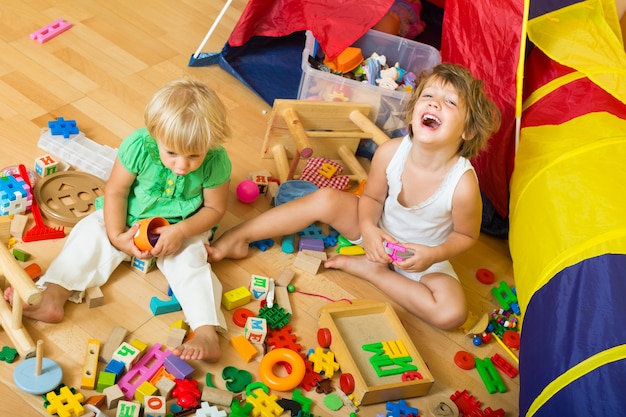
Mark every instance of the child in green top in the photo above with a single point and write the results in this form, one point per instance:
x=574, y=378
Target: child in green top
x=174, y=168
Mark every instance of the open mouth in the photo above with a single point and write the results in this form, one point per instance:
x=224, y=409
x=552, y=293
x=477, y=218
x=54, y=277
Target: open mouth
x=430, y=121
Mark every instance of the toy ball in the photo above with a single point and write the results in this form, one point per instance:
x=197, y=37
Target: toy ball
x=247, y=191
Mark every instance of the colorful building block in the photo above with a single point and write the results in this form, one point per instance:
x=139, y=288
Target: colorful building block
x=255, y=330
x=15, y=195
x=142, y=265
x=128, y=354
x=66, y=403
x=144, y=370
x=63, y=127
x=236, y=298
x=46, y=165
x=90, y=365
x=50, y=31
x=145, y=389
x=128, y=409
x=178, y=367
x=105, y=380
x=243, y=347
x=259, y=286
x=113, y=396
x=154, y=406
x=488, y=373
x=158, y=306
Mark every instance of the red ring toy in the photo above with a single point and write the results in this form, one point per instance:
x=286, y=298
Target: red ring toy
x=485, y=276
x=346, y=382
x=511, y=339
x=324, y=337
x=464, y=360
x=241, y=315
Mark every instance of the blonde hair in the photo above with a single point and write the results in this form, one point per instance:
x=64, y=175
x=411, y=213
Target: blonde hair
x=482, y=117
x=187, y=117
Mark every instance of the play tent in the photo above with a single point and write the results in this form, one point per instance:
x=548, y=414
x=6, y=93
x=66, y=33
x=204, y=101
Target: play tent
x=556, y=171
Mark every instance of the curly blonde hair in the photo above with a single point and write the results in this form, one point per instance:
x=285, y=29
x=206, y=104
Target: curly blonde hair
x=187, y=117
x=483, y=116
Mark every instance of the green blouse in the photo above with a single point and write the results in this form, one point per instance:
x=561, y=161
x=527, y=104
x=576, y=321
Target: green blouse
x=157, y=191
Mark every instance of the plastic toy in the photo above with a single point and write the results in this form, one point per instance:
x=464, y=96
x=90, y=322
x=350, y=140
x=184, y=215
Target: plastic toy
x=40, y=231
x=143, y=370
x=286, y=383
x=397, y=252
x=37, y=375
x=236, y=379
x=50, y=31
x=146, y=238
x=247, y=191
x=15, y=195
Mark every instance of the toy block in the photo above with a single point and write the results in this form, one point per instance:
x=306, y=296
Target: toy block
x=288, y=245
x=144, y=370
x=154, y=406
x=281, y=295
x=115, y=367
x=259, y=287
x=236, y=298
x=63, y=127
x=90, y=365
x=178, y=367
x=353, y=250
x=263, y=244
x=46, y=165
x=255, y=330
x=217, y=396
x=264, y=404
x=503, y=365
x=142, y=265
x=321, y=255
x=158, y=306
x=20, y=255
x=66, y=403
x=34, y=271
x=15, y=198
x=145, y=389
x=18, y=225
x=141, y=346
x=307, y=263
x=105, y=380
x=207, y=410
x=506, y=297
x=128, y=409
x=5, y=229
x=261, y=179
x=285, y=277
x=181, y=324
x=270, y=193
x=490, y=376
x=312, y=244
x=96, y=400
x=127, y=354
x=244, y=348
x=50, y=31
x=165, y=387
x=390, y=358
x=176, y=336
x=114, y=395
x=8, y=354
x=94, y=297
x=323, y=362
x=115, y=339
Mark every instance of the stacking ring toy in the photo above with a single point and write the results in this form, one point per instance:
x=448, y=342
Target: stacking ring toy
x=295, y=363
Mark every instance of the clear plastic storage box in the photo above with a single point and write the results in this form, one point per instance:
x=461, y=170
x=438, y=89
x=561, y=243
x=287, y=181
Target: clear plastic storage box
x=387, y=105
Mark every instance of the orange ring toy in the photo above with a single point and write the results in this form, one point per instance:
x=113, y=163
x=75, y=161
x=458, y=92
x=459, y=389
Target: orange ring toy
x=145, y=238
x=289, y=382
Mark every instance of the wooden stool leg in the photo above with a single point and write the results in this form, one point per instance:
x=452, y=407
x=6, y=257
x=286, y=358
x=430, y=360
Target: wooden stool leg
x=282, y=163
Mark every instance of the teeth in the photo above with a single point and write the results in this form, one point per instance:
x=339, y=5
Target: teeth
x=430, y=120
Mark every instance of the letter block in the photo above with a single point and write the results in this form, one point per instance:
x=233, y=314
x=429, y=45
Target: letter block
x=255, y=330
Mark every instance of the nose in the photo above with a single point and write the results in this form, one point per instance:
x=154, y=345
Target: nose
x=433, y=102
x=181, y=164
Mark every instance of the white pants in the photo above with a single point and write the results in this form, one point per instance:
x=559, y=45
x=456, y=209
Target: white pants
x=88, y=259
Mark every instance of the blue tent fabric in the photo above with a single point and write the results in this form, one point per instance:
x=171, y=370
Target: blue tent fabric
x=271, y=67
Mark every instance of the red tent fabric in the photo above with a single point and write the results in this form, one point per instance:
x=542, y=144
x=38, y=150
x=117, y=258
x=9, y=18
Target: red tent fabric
x=335, y=24
x=485, y=37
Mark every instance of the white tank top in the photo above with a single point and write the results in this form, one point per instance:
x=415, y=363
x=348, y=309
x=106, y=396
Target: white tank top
x=430, y=222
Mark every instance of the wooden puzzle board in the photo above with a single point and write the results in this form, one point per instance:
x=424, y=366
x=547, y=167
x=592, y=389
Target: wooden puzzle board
x=365, y=322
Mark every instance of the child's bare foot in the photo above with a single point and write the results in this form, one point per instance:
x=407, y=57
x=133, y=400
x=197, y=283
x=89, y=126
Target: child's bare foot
x=205, y=344
x=50, y=309
x=226, y=246
x=356, y=265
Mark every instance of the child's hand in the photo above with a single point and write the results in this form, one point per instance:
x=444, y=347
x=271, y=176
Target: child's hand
x=170, y=240
x=373, y=240
x=419, y=261
x=126, y=243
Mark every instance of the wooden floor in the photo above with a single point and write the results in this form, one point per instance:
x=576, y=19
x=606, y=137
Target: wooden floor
x=101, y=73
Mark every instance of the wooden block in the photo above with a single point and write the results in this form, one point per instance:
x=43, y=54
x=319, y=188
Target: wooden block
x=128, y=354
x=113, y=395
x=90, y=365
x=281, y=295
x=307, y=263
x=255, y=330
x=115, y=339
x=270, y=193
x=128, y=409
x=316, y=254
x=285, y=277
x=5, y=229
x=94, y=297
x=217, y=396
x=244, y=348
x=356, y=325
x=236, y=298
x=259, y=287
x=142, y=265
x=155, y=406
x=176, y=337
x=145, y=389
x=165, y=387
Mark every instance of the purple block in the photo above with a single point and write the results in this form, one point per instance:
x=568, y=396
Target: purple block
x=309, y=243
x=178, y=367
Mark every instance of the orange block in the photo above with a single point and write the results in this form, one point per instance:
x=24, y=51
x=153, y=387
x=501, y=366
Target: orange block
x=244, y=348
x=346, y=61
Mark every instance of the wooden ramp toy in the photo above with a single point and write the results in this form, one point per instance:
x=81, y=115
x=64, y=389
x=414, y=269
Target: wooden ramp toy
x=302, y=128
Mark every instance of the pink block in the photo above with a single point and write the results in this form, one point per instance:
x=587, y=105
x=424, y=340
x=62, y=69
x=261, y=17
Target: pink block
x=50, y=31
x=143, y=370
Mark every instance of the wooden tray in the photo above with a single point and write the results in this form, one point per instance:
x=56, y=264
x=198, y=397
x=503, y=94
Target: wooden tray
x=365, y=322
